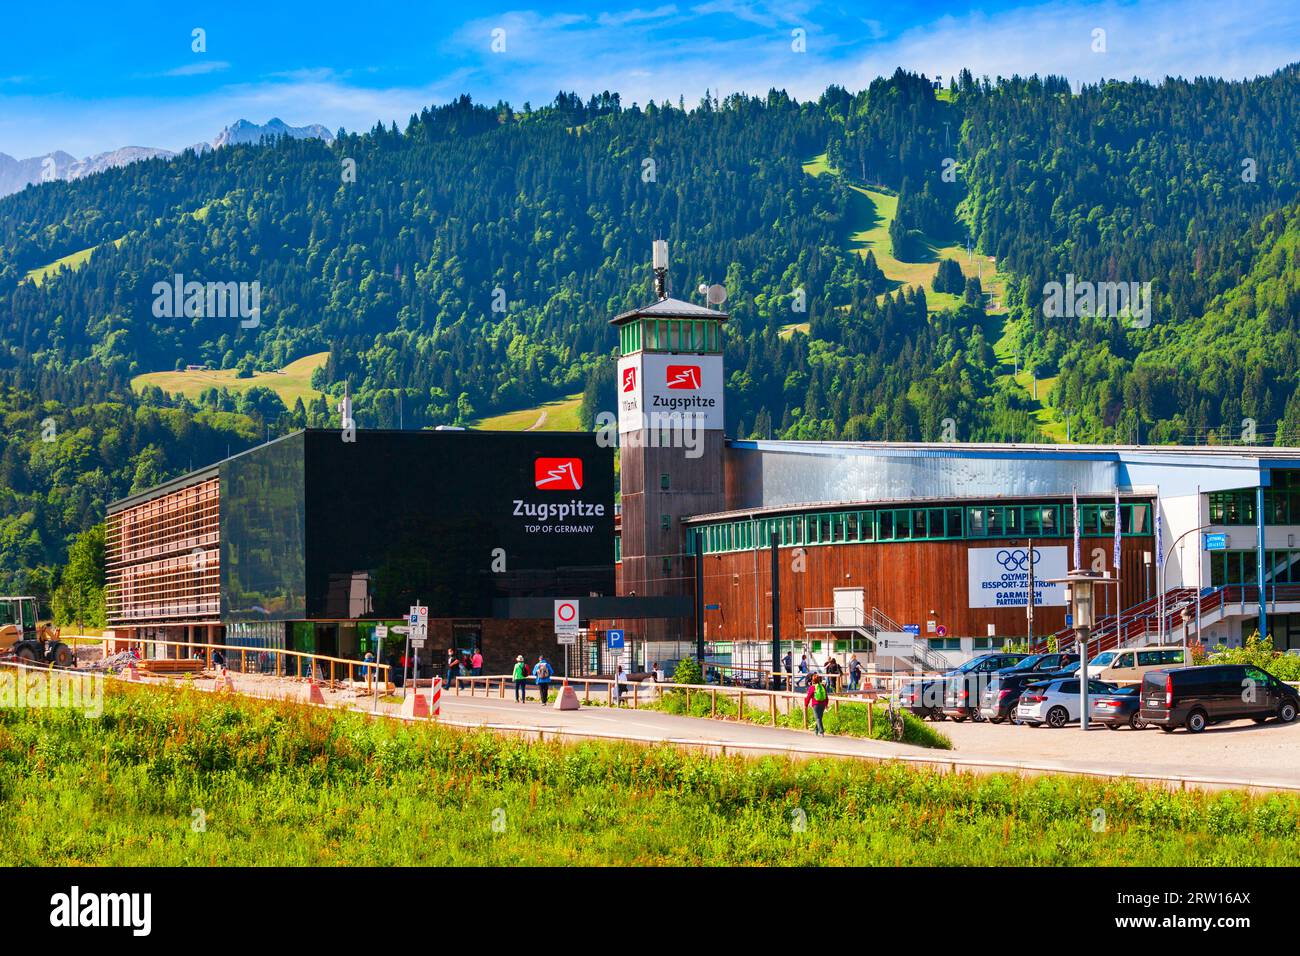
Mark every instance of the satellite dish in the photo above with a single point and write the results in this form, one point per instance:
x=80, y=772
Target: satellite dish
x=716, y=294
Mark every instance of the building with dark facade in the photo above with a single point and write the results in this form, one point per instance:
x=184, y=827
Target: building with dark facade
x=310, y=541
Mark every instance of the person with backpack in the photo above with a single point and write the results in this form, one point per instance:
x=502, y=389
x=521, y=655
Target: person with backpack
x=803, y=669
x=855, y=672
x=453, y=668
x=521, y=680
x=818, y=696
x=542, y=677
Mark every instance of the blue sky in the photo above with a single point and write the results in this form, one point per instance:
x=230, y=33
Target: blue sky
x=89, y=77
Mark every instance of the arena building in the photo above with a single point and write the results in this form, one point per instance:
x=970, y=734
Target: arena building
x=823, y=545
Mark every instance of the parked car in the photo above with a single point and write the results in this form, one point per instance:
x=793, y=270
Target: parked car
x=924, y=698
x=1195, y=697
x=964, y=685
x=1120, y=708
x=1042, y=664
x=1130, y=664
x=999, y=700
x=1054, y=702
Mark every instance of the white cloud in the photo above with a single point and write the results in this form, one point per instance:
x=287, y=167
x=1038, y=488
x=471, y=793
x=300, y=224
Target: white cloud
x=200, y=68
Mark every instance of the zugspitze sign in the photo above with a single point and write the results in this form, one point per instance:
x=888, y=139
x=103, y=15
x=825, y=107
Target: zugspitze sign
x=999, y=577
x=658, y=390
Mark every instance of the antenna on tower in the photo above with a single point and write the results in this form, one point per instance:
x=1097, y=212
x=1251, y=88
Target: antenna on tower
x=660, y=262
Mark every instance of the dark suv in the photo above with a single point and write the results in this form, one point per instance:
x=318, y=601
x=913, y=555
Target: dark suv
x=1042, y=664
x=1195, y=697
x=963, y=686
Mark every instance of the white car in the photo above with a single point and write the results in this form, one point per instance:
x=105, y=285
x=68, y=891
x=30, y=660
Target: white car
x=1054, y=702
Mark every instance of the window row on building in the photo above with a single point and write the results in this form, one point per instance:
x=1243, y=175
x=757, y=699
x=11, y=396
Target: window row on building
x=669, y=335
x=923, y=524
x=1281, y=502
x=1241, y=567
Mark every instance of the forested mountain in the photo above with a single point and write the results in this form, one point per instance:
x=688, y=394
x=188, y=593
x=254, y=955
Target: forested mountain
x=470, y=263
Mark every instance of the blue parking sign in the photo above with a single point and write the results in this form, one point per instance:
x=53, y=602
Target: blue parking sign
x=614, y=640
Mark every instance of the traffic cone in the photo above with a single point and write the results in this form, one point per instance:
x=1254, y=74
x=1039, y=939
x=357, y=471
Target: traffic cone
x=566, y=699
x=311, y=693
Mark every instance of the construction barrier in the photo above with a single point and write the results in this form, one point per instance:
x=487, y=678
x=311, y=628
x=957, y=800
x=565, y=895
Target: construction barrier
x=435, y=702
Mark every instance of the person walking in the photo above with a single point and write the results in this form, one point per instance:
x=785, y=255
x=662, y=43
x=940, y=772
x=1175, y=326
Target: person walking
x=787, y=665
x=803, y=670
x=365, y=671
x=542, y=677
x=453, y=668
x=618, y=685
x=521, y=680
x=855, y=672
x=833, y=673
x=476, y=663
x=818, y=697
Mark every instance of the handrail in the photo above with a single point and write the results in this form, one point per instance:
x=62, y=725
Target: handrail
x=133, y=643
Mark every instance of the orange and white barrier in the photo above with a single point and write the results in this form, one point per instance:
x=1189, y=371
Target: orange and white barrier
x=435, y=702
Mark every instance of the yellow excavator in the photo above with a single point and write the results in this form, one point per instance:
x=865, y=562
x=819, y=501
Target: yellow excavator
x=23, y=639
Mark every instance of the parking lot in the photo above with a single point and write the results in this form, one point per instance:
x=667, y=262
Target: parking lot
x=1238, y=746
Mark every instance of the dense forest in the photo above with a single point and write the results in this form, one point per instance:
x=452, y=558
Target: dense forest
x=469, y=264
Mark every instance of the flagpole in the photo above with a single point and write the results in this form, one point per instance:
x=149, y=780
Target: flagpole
x=1119, y=581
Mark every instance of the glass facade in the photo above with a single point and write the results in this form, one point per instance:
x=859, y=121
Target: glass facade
x=263, y=537
x=947, y=523
x=314, y=528
x=454, y=520
x=1241, y=567
x=1281, y=502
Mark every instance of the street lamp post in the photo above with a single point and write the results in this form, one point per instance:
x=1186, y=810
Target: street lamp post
x=1082, y=597
x=1164, y=585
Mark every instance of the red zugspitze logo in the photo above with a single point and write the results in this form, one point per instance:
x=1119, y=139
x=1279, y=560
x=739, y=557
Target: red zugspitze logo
x=558, y=474
x=683, y=376
x=629, y=379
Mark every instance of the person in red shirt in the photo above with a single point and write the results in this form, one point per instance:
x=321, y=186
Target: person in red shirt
x=818, y=696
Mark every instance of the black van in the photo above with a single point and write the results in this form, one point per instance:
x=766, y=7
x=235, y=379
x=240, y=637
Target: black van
x=1195, y=697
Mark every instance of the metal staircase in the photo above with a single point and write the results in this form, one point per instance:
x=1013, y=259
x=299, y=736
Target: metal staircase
x=1143, y=624
x=868, y=625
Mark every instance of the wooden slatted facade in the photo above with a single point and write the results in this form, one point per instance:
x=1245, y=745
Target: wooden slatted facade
x=163, y=558
x=911, y=581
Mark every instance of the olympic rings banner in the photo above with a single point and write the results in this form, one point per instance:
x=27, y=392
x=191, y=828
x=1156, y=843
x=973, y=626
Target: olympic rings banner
x=999, y=577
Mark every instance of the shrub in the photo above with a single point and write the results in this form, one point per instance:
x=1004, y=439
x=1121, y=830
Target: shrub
x=1260, y=653
x=688, y=672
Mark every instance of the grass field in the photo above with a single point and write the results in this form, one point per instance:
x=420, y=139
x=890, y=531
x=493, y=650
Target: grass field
x=560, y=415
x=290, y=383
x=871, y=213
x=1004, y=347
x=182, y=777
x=848, y=720
x=73, y=261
